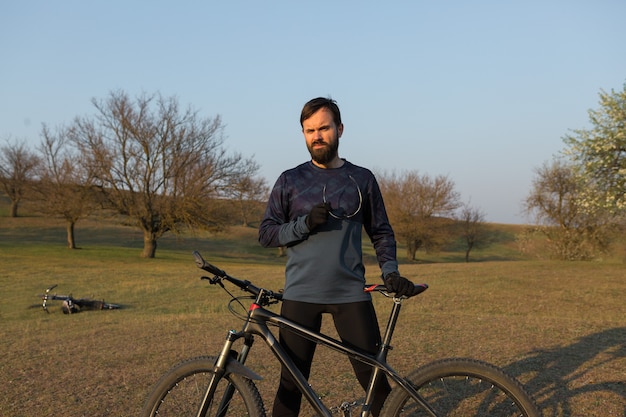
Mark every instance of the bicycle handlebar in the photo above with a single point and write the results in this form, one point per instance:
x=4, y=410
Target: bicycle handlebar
x=243, y=284
x=46, y=297
x=204, y=265
x=249, y=287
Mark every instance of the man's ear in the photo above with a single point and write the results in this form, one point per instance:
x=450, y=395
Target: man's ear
x=339, y=130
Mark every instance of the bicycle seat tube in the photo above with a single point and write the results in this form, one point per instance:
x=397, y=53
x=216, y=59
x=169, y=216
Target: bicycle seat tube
x=382, y=357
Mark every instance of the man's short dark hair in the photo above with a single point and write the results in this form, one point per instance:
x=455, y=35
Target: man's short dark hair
x=316, y=104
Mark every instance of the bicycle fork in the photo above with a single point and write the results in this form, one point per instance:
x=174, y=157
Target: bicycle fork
x=228, y=361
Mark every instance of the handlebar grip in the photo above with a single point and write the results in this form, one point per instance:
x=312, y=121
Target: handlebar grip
x=419, y=288
x=204, y=265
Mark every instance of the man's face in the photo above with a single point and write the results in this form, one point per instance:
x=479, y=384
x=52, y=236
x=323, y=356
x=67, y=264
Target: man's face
x=322, y=136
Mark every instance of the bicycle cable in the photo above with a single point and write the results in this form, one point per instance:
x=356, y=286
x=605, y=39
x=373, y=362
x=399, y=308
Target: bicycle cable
x=235, y=306
x=232, y=309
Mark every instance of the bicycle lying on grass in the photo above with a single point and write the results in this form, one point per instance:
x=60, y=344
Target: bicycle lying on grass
x=223, y=385
x=73, y=305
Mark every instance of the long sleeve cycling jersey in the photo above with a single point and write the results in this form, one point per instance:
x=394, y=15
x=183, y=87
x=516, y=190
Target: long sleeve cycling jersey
x=326, y=265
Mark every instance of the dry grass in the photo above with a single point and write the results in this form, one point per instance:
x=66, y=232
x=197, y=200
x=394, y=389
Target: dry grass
x=558, y=327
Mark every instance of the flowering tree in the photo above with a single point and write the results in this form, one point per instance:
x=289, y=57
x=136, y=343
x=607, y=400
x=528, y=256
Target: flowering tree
x=579, y=202
x=600, y=153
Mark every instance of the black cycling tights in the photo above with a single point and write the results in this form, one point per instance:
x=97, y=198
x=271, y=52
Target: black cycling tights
x=356, y=325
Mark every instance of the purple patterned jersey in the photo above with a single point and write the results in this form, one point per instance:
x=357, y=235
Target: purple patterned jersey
x=326, y=266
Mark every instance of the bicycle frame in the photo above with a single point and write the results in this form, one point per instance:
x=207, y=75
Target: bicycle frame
x=456, y=386
x=256, y=323
x=71, y=303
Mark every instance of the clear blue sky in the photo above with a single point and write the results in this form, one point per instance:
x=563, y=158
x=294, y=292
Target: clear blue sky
x=481, y=91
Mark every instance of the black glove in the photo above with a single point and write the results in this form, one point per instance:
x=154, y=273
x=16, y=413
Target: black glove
x=317, y=216
x=399, y=285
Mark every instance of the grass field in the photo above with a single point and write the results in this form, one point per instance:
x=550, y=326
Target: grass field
x=559, y=327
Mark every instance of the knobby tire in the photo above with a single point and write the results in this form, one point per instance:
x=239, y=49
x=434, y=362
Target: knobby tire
x=462, y=388
x=180, y=391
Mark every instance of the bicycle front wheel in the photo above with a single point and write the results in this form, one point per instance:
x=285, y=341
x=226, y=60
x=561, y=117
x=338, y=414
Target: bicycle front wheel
x=462, y=388
x=180, y=391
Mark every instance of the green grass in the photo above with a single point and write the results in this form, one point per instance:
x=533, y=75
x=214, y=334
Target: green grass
x=559, y=327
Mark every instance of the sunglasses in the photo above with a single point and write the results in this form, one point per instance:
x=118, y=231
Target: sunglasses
x=342, y=215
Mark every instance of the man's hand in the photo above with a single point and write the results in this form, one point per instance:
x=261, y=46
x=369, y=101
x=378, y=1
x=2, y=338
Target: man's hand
x=399, y=285
x=317, y=216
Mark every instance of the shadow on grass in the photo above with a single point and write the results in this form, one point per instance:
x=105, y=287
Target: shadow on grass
x=563, y=374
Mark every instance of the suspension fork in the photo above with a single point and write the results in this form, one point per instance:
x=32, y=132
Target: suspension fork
x=230, y=389
x=225, y=362
x=218, y=372
x=221, y=364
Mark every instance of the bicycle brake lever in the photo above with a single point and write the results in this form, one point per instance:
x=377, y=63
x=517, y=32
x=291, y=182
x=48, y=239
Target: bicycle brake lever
x=214, y=280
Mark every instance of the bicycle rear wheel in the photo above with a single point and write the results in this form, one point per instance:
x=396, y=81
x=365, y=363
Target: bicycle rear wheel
x=180, y=391
x=462, y=388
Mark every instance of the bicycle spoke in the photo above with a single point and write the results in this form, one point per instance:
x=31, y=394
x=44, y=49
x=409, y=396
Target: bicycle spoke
x=183, y=399
x=462, y=396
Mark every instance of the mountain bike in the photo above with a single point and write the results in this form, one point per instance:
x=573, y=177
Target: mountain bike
x=73, y=305
x=223, y=385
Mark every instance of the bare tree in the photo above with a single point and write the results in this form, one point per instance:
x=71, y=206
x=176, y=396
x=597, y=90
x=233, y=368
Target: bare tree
x=249, y=191
x=160, y=165
x=471, y=221
x=64, y=188
x=17, y=171
x=420, y=208
x=575, y=229
x=553, y=199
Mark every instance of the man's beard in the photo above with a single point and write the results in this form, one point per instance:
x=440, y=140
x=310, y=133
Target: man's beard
x=326, y=154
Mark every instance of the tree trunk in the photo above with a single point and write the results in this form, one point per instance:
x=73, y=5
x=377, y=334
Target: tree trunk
x=71, y=242
x=14, y=205
x=467, y=251
x=149, y=245
x=409, y=250
x=412, y=248
x=243, y=215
